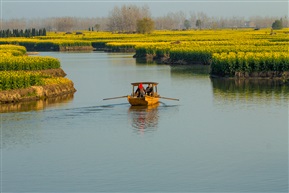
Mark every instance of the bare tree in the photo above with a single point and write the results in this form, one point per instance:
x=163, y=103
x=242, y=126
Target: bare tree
x=263, y=22
x=201, y=16
x=14, y=24
x=124, y=19
x=285, y=21
x=193, y=18
x=173, y=20
x=179, y=18
x=64, y=23
x=164, y=22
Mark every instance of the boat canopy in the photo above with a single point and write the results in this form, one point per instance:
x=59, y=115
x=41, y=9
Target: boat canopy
x=137, y=83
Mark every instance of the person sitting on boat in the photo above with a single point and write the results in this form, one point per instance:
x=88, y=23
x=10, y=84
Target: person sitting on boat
x=140, y=92
x=149, y=90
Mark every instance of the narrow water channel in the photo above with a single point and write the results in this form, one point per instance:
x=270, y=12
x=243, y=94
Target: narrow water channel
x=222, y=136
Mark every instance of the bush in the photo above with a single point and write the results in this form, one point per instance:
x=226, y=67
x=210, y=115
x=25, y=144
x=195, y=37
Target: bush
x=277, y=24
x=145, y=25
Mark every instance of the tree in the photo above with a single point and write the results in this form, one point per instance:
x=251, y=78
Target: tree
x=203, y=19
x=64, y=23
x=145, y=25
x=124, y=19
x=187, y=24
x=199, y=23
x=277, y=24
x=33, y=33
x=43, y=32
x=97, y=27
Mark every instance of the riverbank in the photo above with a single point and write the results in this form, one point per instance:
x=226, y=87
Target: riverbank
x=275, y=75
x=166, y=60
x=34, y=93
x=35, y=104
x=76, y=48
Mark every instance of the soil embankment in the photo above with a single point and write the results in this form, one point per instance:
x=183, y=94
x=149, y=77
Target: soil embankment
x=75, y=48
x=54, y=72
x=266, y=74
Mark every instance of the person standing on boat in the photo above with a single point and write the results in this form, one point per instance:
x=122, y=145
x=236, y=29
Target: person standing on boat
x=140, y=92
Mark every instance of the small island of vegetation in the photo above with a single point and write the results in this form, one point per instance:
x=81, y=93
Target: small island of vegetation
x=26, y=78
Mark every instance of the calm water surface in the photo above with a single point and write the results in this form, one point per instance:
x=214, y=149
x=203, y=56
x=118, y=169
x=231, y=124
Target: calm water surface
x=222, y=136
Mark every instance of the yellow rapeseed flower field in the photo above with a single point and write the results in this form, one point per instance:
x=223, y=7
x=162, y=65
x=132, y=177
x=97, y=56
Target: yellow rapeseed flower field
x=188, y=45
x=20, y=71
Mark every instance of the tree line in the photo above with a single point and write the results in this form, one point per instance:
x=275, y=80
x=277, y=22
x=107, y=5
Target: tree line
x=132, y=18
x=22, y=33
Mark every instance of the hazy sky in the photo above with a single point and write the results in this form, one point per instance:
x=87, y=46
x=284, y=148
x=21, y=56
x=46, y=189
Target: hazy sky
x=96, y=8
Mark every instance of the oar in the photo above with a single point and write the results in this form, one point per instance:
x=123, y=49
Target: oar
x=115, y=97
x=169, y=98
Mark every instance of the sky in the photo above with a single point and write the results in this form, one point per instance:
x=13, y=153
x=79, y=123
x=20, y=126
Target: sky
x=12, y=9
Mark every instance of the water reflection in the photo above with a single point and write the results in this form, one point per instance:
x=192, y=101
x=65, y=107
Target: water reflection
x=144, y=119
x=250, y=89
x=35, y=105
x=190, y=70
x=20, y=130
x=145, y=61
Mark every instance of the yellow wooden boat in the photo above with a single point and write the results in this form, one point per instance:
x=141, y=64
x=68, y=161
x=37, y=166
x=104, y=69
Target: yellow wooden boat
x=148, y=99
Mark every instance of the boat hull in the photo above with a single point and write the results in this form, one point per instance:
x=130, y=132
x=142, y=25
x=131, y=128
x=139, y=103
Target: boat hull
x=142, y=101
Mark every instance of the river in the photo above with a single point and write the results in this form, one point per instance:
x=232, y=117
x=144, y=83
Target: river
x=222, y=136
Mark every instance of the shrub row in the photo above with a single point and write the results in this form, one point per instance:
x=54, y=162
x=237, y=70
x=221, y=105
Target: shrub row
x=22, y=33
